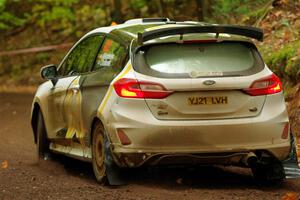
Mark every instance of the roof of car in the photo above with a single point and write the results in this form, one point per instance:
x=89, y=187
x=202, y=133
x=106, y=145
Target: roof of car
x=128, y=31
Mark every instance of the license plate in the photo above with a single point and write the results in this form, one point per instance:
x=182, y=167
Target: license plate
x=207, y=100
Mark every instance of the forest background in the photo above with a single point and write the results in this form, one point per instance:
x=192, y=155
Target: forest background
x=27, y=24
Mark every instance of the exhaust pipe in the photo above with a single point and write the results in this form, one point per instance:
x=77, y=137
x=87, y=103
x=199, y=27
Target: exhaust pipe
x=250, y=159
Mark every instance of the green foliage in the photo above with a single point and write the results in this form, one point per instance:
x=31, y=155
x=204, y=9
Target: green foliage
x=234, y=11
x=89, y=17
x=67, y=16
x=8, y=19
x=2, y=5
x=138, y=4
x=285, y=62
x=42, y=58
x=15, y=70
x=44, y=22
x=54, y=15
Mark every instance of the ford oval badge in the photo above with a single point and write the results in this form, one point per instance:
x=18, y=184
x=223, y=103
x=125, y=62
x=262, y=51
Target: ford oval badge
x=209, y=82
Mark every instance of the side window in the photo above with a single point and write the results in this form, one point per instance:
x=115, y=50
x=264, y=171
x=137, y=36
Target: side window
x=110, y=59
x=82, y=57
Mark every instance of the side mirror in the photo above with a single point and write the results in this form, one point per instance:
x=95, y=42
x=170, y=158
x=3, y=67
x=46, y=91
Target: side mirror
x=49, y=72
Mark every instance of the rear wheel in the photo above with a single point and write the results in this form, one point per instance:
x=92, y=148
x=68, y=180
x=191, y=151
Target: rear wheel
x=269, y=173
x=42, y=141
x=98, y=153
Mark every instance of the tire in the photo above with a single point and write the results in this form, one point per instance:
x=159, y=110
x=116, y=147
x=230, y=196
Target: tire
x=269, y=173
x=42, y=141
x=98, y=153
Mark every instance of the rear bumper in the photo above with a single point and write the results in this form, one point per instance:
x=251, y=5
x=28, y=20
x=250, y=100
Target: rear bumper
x=192, y=158
x=151, y=137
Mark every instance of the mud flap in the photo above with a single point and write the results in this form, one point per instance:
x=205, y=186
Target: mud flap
x=291, y=165
x=113, y=172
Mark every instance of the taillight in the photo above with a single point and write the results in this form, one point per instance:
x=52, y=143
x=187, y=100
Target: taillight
x=132, y=88
x=268, y=85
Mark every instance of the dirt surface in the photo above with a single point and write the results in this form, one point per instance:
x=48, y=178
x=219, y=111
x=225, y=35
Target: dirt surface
x=22, y=177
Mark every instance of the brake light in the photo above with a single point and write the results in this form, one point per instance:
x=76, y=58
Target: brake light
x=198, y=41
x=268, y=85
x=132, y=88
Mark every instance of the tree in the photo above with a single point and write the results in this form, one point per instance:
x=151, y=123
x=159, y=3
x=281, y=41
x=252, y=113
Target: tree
x=8, y=18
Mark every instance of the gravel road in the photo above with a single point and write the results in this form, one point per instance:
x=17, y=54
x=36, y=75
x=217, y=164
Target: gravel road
x=23, y=177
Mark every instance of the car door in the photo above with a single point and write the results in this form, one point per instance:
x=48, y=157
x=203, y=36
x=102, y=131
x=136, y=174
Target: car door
x=56, y=122
x=108, y=64
x=74, y=98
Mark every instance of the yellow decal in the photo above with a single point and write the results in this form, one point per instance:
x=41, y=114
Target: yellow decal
x=73, y=109
x=70, y=133
x=107, y=96
x=76, y=81
x=125, y=72
x=105, y=99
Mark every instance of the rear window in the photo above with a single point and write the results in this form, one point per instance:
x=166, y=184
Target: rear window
x=198, y=59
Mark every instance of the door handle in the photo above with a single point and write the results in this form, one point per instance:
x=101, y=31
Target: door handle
x=75, y=88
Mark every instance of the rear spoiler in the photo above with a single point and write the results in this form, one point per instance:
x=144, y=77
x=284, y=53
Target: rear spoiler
x=248, y=31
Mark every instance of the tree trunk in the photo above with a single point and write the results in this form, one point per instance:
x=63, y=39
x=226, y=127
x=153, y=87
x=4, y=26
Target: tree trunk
x=200, y=9
x=163, y=8
x=160, y=8
x=204, y=9
x=117, y=15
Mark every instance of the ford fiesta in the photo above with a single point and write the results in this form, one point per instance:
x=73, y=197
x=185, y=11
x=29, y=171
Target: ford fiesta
x=160, y=92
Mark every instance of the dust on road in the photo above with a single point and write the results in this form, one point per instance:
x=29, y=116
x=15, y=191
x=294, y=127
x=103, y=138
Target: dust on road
x=64, y=178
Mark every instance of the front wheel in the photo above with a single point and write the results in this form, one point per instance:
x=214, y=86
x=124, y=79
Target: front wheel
x=98, y=153
x=42, y=141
